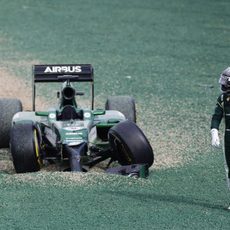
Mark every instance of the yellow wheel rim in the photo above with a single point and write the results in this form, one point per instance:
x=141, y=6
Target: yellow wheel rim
x=37, y=153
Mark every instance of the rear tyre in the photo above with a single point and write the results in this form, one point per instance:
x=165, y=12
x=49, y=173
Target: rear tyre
x=8, y=107
x=130, y=145
x=25, y=148
x=123, y=104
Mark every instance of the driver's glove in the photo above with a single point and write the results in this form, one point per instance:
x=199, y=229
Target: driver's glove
x=215, y=138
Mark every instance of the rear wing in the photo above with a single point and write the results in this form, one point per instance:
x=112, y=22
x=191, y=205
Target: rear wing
x=61, y=73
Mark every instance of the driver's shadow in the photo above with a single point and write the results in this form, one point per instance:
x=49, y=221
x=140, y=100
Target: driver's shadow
x=179, y=199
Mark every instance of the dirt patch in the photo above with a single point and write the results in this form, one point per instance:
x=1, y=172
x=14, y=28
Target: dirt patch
x=48, y=178
x=176, y=138
x=6, y=166
x=13, y=87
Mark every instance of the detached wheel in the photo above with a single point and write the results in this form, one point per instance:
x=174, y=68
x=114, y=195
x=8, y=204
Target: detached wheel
x=130, y=145
x=123, y=104
x=8, y=107
x=25, y=148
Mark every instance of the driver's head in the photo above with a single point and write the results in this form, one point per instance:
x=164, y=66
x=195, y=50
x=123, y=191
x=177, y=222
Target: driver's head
x=225, y=80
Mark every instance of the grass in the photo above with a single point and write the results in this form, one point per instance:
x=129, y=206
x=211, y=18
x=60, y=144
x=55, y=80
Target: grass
x=168, y=55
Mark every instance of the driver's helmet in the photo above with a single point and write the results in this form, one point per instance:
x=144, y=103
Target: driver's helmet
x=225, y=80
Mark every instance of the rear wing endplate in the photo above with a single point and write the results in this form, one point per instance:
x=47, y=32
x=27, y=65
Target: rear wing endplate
x=60, y=73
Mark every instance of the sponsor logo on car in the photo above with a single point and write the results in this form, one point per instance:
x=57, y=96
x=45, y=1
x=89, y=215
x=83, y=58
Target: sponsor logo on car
x=63, y=69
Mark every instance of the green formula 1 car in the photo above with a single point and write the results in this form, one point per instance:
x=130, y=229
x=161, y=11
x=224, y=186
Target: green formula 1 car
x=75, y=137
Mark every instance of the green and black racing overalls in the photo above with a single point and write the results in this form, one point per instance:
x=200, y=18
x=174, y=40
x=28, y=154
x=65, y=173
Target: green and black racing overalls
x=222, y=110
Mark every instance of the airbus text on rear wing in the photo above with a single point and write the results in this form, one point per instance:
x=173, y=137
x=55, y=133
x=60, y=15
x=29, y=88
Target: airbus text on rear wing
x=60, y=73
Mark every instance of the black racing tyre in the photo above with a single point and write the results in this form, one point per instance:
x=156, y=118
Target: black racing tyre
x=130, y=145
x=25, y=147
x=8, y=107
x=123, y=104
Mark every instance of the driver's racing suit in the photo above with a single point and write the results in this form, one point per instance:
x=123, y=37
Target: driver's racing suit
x=222, y=110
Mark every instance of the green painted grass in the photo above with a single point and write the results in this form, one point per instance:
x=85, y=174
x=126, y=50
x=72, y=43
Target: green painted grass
x=168, y=55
